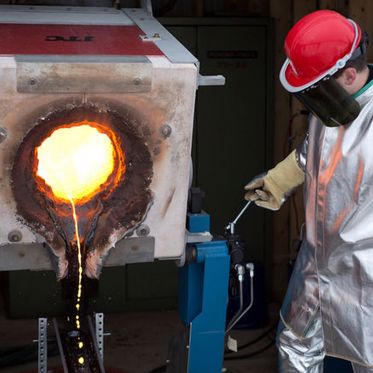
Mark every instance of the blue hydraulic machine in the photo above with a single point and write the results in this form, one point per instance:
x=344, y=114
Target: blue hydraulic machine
x=203, y=296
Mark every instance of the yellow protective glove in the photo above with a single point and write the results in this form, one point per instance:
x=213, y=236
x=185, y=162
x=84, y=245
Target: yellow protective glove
x=271, y=189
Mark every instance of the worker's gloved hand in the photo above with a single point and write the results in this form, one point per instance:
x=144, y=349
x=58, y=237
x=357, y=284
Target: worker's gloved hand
x=270, y=190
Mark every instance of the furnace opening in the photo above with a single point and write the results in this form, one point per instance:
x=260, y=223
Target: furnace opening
x=92, y=156
x=76, y=161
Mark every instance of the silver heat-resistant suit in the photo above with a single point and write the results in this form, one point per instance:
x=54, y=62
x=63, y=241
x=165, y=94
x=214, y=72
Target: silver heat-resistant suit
x=328, y=308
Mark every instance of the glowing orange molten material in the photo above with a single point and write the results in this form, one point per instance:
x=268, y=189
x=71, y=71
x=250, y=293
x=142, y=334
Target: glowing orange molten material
x=76, y=161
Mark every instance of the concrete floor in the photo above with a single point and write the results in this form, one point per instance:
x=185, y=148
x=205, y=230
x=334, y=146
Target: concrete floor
x=138, y=343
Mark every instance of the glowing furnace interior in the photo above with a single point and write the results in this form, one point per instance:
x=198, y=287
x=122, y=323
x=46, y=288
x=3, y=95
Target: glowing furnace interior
x=76, y=161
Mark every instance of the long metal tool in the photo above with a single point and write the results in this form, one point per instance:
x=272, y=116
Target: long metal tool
x=241, y=272
x=231, y=226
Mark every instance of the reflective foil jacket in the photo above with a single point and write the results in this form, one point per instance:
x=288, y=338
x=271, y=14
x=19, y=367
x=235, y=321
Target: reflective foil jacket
x=334, y=268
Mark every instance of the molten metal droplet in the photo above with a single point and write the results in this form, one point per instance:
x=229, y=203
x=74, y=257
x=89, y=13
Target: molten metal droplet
x=75, y=161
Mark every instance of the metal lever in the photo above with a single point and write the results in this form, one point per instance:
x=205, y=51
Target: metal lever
x=231, y=226
x=240, y=270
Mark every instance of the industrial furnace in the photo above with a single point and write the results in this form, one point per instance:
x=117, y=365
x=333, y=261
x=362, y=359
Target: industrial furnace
x=65, y=67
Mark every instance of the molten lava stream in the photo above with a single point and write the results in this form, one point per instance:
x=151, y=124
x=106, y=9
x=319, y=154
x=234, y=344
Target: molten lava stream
x=80, y=276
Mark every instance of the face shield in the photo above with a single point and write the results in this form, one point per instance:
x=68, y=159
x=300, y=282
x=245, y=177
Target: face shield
x=330, y=102
x=324, y=96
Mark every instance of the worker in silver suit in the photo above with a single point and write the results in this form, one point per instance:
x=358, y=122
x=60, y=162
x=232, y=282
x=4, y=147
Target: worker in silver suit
x=328, y=308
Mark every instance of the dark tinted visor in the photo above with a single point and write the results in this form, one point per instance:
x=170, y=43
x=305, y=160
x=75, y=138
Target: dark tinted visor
x=330, y=102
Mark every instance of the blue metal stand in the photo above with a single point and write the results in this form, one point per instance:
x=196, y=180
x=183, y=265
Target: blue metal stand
x=203, y=298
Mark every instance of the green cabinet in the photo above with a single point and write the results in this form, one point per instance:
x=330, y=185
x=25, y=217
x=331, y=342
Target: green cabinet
x=233, y=126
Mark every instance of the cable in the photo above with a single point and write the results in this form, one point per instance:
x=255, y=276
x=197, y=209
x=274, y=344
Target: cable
x=160, y=369
x=255, y=340
x=247, y=356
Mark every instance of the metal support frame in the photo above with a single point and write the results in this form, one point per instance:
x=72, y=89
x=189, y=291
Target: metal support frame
x=203, y=297
x=38, y=257
x=94, y=334
x=96, y=331
x=42, y=345
x=99, y=321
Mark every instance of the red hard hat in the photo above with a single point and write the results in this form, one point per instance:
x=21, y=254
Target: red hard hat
x=319, y=44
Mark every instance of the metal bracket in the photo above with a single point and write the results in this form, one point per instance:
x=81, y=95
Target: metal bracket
x=208, y=80
x=93, y=333
x=99, y=321
x=154, y=37
x=167, y=43
x=198, y=237
x=77, y=74
x=43, y=345
x=36, y=257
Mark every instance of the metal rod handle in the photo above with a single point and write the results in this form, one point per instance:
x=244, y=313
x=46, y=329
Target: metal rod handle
x=241, y=212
